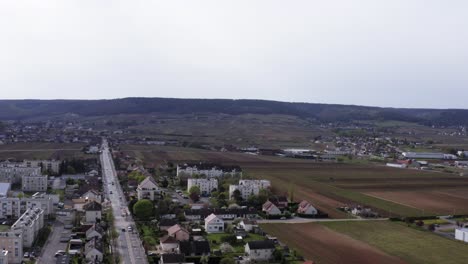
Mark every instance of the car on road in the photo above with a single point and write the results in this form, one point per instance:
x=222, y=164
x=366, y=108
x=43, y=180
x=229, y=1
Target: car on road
x=123, y=230
x=110, y=192
x=26, y=255
x=60, y=253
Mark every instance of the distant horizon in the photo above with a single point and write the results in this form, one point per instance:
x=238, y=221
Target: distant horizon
x=233, y=99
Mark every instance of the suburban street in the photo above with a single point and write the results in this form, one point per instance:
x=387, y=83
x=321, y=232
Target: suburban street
x=129, y=245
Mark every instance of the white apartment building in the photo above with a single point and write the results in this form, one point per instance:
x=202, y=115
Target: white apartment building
x=429, y=155
x=34, y=183
x=46, y=165
x=249, y=187
x=206, y=185
x=28, y=225
x=13, y=208
x=13, y=243
x=209, y=170
x=14, y=172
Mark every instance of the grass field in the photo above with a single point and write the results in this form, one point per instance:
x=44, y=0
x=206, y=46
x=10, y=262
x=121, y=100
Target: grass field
x=4, y=228
x=376, y=242
x=409, y=244
x=324, y=246
x=20, y=151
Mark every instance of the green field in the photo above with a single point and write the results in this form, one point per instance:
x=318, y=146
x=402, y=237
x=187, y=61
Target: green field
x=411, y=245
x=4, y=228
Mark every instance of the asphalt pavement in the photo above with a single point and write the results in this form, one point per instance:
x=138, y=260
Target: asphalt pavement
x=129, y=245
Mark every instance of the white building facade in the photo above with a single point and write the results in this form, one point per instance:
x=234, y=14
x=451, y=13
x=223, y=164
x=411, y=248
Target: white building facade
x=34, y=183
x=28, y=225
x=206, y=185
x=249, y=187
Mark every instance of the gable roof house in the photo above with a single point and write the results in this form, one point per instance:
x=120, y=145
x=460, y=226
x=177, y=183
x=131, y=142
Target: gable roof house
x=260, y=250
x=93, y=212
x=248, y=225
x=195, y=248
x=93, y=251
x=168, y=244
x=280, y=201
x=178, y=232
x=148, y=189
x=214, y=224
x=165, y=224
x=306, y=208
x=270, y=209
x=95, y=231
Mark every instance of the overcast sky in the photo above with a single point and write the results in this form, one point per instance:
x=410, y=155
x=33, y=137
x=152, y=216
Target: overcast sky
x=402, y=53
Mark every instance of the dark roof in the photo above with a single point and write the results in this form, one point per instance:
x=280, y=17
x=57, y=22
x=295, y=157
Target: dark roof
x=168, y=240
x=168, y=222
x=265, y=244
x=196, y=248
x=173, y=258
x=92, y=206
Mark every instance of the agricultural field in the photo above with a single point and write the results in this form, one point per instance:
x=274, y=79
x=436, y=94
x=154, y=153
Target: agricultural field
x=390, y=191
x=368, y=242
x=408, y=243
x=20, y=151
x=325, y=246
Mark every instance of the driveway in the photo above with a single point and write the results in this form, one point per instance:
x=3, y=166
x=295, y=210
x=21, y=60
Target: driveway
x=52, y=245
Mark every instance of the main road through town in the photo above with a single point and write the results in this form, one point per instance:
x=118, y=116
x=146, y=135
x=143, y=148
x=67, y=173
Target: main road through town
x=129, y=245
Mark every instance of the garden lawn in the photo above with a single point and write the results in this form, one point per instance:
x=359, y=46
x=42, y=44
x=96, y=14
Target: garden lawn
x=217, y=239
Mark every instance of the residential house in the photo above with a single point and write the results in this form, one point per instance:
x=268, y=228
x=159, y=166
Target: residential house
x=214, y=224
x=305, y=208
x=225, y=214
x=178, y=232
x=93, y=211
x=93, y=251
x=92, y=195
x=206, y=185
x=165, y=224
x=249, y=187
x=260, y=250
x=168, y=244
x=270, y=208
x=95, y=231
x=194, y=248
x=280, y=201
x=248, y=224
x=148, y=189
